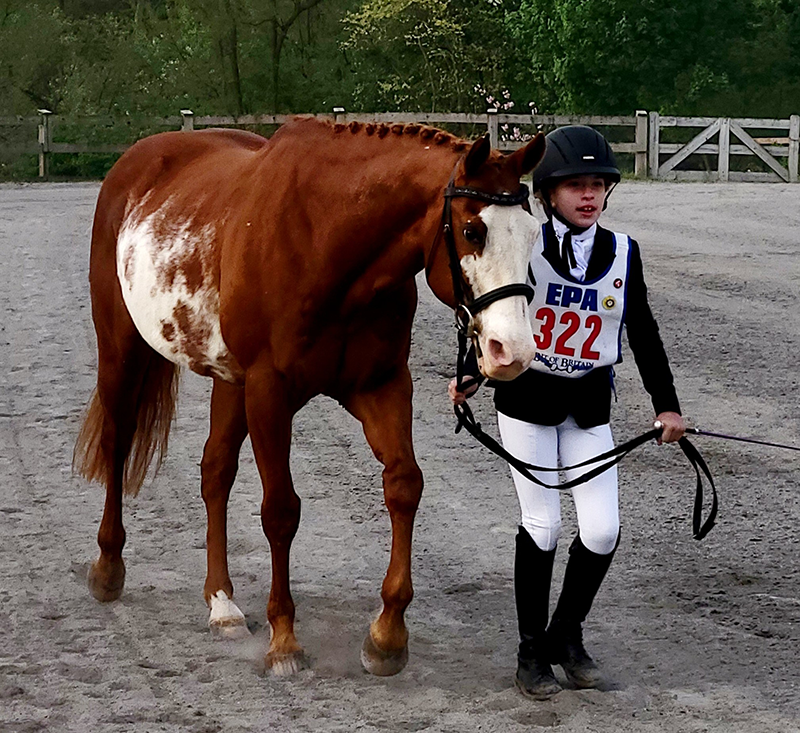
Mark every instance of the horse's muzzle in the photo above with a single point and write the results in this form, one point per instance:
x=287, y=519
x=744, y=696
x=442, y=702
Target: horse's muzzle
x=501, y=372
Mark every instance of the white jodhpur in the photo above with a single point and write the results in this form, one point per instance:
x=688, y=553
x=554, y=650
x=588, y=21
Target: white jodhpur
x=596, y=501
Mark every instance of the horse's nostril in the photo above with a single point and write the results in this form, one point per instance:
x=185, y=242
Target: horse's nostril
x=499, y=354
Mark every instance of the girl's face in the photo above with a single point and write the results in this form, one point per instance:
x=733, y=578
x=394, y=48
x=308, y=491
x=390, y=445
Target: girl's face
x=579, y=201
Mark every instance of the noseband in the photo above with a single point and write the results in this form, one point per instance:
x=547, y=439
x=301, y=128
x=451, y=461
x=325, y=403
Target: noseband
x=467, y=308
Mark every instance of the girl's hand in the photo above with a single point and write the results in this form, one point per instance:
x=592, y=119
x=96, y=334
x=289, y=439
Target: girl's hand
x=470, y=386
x=673, y=427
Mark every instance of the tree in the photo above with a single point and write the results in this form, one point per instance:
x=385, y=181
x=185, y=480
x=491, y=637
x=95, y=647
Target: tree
x=35, y=56
x=767, y=64
x=280, y=22
x=619, y=55
x=426, y=54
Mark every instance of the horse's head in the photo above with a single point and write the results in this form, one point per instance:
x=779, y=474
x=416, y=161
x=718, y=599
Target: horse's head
x=488, y=230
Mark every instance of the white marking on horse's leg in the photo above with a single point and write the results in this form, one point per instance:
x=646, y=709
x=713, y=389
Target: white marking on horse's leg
x=226, y=621
x=289, y=665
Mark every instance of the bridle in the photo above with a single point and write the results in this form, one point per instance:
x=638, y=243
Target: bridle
x=467, y=307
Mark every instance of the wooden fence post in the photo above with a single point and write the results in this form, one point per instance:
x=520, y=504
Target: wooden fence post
x=653, y=143
x=45, y=138
x=640, y=157
x=491, y=126
x=187, y=120
x=794, y=148
x=724, y=161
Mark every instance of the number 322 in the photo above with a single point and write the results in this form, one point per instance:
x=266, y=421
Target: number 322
x=572, y=322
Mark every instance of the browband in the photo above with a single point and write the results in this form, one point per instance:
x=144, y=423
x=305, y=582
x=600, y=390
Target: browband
x=503, y=199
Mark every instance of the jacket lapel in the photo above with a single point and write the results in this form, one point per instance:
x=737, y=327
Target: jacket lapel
x=602, y=253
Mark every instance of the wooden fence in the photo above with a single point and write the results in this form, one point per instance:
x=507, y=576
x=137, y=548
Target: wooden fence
x=653, y=157
x=732, y=138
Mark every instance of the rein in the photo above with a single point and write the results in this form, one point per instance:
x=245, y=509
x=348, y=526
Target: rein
x=708, y=434
x=605, y=461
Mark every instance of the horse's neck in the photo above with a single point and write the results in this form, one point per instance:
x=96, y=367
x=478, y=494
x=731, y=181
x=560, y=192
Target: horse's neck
x=400, y=242
x=400, y=220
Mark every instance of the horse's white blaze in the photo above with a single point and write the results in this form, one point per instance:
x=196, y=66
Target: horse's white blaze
x=511, y=232
x=169, y=290
x=225, y=618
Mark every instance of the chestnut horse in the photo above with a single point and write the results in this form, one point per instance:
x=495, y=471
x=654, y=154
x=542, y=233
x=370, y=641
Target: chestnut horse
x=284, y=269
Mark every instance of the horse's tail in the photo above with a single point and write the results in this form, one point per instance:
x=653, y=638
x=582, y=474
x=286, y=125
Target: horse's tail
x=152, y=418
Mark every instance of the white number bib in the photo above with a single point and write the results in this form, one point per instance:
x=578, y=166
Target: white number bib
x=577, y=326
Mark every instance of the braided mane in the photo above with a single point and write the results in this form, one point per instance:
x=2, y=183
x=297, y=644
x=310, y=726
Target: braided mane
x=425, y=133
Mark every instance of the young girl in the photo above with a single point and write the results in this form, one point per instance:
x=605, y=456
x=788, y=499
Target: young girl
x=588, y=284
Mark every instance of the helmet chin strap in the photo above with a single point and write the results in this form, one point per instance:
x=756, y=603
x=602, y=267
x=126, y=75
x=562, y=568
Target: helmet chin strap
x=608, y=193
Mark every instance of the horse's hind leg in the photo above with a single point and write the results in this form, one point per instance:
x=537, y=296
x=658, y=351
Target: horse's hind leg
x=386, y=416
x=269, y=418
x=130, y=378
x=219, y=467
x=129, y=416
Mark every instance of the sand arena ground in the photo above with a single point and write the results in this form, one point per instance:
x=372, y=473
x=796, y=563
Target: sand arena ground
x=694, y=636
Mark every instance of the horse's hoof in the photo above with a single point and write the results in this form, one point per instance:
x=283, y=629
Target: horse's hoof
x=106, y=580
x=229, y=629
x=283, y=664
x=382, y=663
x=226, y=621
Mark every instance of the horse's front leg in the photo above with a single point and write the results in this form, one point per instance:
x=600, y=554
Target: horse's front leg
x=219, y=467
x=269, y=417
x=385, y=413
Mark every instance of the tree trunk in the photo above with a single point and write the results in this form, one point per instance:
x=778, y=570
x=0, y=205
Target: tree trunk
x=280, y=31
x=229, y=52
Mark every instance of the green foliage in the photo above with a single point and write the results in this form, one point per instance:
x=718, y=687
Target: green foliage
x=125, y=57
x=130, y=59
x=766, y=64
x=81, y=166
x=35, y=56
x=427, y=54
x=615, y=56
x=20, y=168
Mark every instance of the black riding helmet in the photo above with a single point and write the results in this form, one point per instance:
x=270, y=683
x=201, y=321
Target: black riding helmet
x=575, y=150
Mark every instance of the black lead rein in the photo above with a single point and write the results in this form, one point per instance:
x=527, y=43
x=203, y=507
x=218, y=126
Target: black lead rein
x=604, y=461
x=709, y=434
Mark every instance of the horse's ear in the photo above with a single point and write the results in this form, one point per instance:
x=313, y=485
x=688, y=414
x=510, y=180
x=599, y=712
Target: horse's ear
x=526, y=159
x=477, y=155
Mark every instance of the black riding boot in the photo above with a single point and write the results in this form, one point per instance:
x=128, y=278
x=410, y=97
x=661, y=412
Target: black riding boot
x=582, y=579
x=533, y=570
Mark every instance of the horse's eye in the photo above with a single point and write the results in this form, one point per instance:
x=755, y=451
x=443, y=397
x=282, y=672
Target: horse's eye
x=473, y=235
